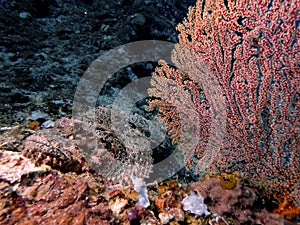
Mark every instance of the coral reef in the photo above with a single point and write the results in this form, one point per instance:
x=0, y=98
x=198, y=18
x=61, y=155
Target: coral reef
x=238, y=203
x=43, y=191
x=50, y=148
x=111, y=147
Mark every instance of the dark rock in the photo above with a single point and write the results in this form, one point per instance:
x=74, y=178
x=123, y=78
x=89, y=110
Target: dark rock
x=71, y=33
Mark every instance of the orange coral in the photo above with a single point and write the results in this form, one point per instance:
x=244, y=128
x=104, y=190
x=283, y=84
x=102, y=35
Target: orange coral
x=34, y=125
x=288, y=211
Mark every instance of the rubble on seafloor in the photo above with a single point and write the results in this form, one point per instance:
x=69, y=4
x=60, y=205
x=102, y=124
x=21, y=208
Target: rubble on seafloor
x=54, y=185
